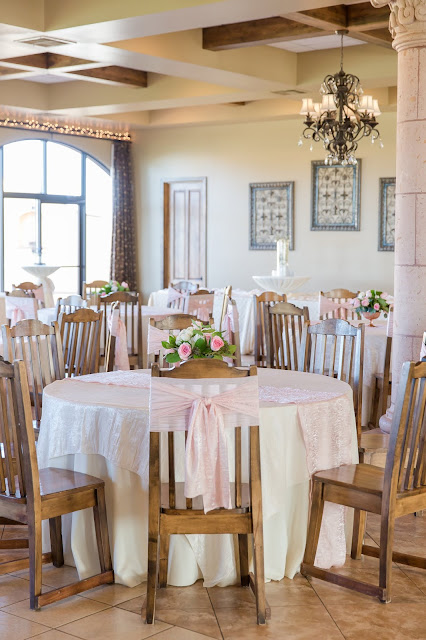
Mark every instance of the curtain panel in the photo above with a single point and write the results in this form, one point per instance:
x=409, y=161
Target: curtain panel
x=123, y=247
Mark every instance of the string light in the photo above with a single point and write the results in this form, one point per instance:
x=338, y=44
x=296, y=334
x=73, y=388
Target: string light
x=65, y=129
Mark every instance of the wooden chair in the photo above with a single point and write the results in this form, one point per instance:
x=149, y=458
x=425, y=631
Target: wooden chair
x=28, y=287
x=130, y=312
x=110, y=342
x=335, y=348
x=175, y=322
x=69, y=304
x=171, y=513
x=81, y=335
x=286, y=323
x=39, y=346
x=341, y=295
x=262, y=304
x=227, y=295
x=234, y=332
x=200, y=304
x=395, y=491
x=382, y=388
x=29, y=495
x=91, y=291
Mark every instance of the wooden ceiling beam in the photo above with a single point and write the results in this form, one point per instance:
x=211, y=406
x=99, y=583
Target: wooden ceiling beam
x=116, y=74
x=326, y=18
x=364, y=17
x=256, y=32
x=381, y=37
x=46, y=60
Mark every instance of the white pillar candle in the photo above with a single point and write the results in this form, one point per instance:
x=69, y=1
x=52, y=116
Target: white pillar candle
x=282, y=255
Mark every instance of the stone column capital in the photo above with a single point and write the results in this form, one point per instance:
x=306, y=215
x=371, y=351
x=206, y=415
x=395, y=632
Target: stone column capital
x=407, y=22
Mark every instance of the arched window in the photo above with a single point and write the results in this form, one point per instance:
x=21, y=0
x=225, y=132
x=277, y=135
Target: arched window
x=56, y=210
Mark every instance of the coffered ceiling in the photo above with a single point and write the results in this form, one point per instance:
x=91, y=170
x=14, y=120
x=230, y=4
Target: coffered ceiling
x=168, y=63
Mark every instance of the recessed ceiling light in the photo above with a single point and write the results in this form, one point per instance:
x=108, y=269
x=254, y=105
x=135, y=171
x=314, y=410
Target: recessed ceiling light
x=45, y=41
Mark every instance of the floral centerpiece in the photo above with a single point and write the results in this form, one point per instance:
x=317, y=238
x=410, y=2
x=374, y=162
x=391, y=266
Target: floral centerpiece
x=197, y=341
x=112, y=287
x=371, y=303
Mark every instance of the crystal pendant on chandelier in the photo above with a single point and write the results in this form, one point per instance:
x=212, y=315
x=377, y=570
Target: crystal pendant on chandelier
x=344, y=116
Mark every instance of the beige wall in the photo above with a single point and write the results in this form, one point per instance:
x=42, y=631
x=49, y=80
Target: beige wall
x=232, y=156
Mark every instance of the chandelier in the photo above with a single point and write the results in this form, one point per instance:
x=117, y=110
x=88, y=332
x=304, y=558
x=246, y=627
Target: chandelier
x=343, y=118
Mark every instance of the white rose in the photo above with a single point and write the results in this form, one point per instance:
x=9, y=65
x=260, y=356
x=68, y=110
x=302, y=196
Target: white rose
x=368, y=294
x=361, y=295
x=114, y=288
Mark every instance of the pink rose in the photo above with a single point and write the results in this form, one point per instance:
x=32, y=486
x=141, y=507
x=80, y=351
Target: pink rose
x=377, y=306
x=184, y=351
x=365, y=302
x=216, y=343
x=356, y=302
x=125, y=285
x=207, y=337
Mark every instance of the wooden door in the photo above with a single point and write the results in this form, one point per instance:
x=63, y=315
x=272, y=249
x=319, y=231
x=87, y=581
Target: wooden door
x=185, y=214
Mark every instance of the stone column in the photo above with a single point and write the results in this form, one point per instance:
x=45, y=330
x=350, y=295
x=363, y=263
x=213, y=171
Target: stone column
x=408, y=27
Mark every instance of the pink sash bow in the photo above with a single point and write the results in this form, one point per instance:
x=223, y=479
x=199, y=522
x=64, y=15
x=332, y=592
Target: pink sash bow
x=175, y=408
x=174, y=294
x=327, y=306
x=117, y=329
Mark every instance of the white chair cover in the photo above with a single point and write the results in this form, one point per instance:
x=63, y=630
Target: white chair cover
x=205, y=408
x=18, y=308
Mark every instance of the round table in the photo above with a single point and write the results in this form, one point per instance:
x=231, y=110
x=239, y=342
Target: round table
x=99, y=425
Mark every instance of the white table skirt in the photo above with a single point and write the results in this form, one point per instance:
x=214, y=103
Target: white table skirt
x=103, y=430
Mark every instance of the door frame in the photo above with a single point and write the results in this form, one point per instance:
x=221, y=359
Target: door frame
x=166, y=223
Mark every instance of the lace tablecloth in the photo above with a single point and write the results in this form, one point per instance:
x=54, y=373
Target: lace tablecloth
x=99, y=425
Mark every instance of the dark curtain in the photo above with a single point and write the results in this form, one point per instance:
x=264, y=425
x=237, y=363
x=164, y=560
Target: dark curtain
x=123, y=249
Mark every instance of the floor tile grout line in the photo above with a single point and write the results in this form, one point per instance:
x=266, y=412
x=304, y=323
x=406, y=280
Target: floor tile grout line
x=214, y=611
x=329, y=613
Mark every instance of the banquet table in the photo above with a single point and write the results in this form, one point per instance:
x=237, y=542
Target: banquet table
x=99, y=425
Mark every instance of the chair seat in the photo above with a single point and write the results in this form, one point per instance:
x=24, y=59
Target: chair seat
x=360, y=477
x=197, y=503
x=64, y=480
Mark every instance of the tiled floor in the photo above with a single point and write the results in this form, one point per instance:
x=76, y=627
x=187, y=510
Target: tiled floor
x=301, y=609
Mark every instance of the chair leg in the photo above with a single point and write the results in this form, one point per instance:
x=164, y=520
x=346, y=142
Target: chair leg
x=56, y=541
x=101, y=529
x=35, y=558
x=360, y=521
x=314, y=528
x=257, y=518
x=244, y=560
x=386, y=546
x=153, y=525
x=164, y=561
x=374, y=417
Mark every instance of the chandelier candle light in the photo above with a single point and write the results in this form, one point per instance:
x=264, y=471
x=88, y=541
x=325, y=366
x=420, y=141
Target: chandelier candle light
x=343, y=117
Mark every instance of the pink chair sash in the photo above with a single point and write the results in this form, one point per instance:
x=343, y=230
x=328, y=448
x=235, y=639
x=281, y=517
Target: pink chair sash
x=18, y=309
x=39, y=294
x=174, y=294
x=156, y=337
x=231, y=320
x=176, y=407
x=117, y=329
x=389, y=327
x=327, y=306
x=201, y=306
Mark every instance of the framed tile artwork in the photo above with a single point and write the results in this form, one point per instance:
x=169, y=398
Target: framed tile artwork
x=271, y=214
x=335, y=197
x=387, y=215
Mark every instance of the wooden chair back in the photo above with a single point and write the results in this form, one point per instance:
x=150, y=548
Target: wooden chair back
x=286, y=322
x=405, y=469
x=200, y=304
x=69, y=304
x=341, y=296
x=227, y=295
x=18, y=462
x=335, y=348
x=184, y=286
x=129, y=305
x=262, y=304
x=187, y=515
x=40, y=347
x=81, y=335
x=174, y=322
x=28, y=287
x=91, y=291
x=20, y=293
